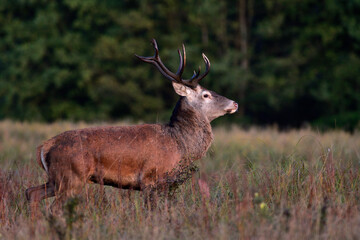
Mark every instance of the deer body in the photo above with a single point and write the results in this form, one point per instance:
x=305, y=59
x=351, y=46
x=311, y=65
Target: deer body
x=132, y=157
x=112, y=154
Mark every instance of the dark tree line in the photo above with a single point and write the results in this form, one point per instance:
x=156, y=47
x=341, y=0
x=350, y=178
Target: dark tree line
x=286, y=62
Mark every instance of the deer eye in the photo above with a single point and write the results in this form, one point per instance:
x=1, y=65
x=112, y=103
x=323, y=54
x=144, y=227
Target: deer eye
x=206, y=95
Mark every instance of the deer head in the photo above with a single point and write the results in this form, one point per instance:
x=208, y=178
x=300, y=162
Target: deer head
x=209, y=103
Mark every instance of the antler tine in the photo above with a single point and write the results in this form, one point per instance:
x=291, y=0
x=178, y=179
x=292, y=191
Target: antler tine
x=197, y=78
x=182, y=62
x=154, y=43
x=151, y=59
x=190, y=81
x=196, y=74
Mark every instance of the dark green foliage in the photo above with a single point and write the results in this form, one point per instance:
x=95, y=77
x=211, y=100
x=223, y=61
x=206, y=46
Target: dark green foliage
x=285, y=62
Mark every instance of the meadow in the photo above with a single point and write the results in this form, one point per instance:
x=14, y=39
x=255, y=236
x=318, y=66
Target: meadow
x=253, y=184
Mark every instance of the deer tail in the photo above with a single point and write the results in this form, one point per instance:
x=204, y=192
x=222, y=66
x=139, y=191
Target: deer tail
x=41, y=158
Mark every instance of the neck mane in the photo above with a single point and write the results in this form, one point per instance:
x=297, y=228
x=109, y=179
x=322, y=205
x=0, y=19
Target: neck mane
x=191, y=129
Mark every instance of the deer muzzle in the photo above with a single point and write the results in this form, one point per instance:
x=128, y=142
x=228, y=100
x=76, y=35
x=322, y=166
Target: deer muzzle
x=232, y=108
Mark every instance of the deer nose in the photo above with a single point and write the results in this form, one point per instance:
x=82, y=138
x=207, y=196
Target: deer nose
x=236, y=105
x=232, y=109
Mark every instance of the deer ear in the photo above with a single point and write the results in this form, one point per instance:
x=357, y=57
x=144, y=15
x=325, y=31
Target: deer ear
x=181, y=89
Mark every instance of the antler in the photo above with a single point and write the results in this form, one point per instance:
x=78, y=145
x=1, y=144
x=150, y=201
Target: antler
x=176, y=77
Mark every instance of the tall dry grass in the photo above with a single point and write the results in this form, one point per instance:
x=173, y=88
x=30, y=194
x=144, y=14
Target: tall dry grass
x=253, y=184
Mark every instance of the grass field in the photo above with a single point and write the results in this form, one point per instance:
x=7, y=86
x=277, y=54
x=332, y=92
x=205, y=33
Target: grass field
x=253, y=184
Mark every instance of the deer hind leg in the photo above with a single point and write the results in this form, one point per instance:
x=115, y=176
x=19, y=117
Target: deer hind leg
x=65, y=189
x=35, y=194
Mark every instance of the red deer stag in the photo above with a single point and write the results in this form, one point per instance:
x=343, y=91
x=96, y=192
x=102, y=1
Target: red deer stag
x=133, y=157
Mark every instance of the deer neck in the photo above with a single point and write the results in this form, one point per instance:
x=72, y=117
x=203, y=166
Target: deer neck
x=191, y=129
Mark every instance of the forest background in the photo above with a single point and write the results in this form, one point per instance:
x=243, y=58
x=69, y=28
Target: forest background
x=287, y=63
